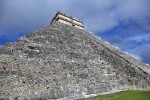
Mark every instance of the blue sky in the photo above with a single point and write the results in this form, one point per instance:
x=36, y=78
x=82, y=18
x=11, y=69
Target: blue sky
x=123, y=23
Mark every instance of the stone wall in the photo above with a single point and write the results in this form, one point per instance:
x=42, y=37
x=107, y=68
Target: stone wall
x=61, y=61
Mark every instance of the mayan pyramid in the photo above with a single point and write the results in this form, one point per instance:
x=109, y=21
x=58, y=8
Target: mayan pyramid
x=64, y=61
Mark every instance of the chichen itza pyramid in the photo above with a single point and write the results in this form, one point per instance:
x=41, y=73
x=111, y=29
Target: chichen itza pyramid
x=64, y=61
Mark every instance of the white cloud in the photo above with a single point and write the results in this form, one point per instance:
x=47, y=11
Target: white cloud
x=141, y=52
x=139, y=38
x=101, y=24
x=98, y=15
x=136, y=56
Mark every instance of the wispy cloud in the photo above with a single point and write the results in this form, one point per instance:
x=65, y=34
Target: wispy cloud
x=139, y=38
x=142, y=52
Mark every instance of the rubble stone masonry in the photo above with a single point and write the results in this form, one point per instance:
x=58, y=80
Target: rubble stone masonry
x=65, y=62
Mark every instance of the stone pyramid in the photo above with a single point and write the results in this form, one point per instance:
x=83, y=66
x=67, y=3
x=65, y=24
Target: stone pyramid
x=65, y=62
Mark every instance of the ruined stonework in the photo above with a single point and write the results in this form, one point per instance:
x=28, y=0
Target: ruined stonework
x=64, y=62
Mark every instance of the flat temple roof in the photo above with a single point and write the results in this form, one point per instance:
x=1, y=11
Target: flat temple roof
x=73, y=18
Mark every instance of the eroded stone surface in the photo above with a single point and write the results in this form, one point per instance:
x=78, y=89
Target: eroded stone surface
x=60, y=61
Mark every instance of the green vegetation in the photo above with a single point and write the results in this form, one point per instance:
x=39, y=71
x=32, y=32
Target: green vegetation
x=124, y=95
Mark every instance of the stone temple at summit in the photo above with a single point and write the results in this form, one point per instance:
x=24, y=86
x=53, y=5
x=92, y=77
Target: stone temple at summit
x=64, y=61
